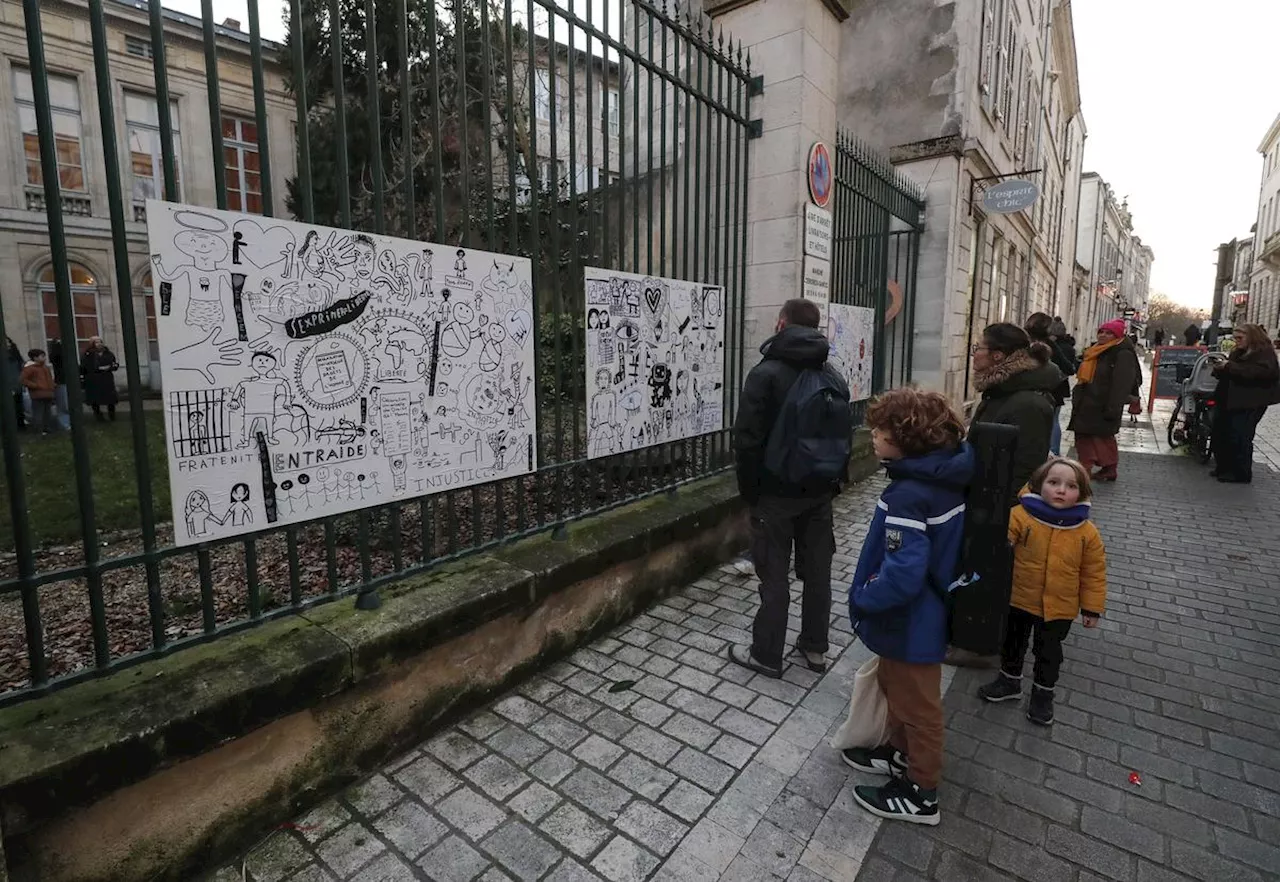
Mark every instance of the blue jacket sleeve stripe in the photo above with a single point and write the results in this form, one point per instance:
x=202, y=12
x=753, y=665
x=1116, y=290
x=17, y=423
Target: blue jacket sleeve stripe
x=943, y=518
x=906, y=522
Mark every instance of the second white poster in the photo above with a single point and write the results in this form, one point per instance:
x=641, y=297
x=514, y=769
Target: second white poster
x=655, y=360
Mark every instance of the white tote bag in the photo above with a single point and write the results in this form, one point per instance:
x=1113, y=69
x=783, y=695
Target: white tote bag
x=868, y=722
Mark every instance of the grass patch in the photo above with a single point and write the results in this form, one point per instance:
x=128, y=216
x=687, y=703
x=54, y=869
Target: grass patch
x=53, y=507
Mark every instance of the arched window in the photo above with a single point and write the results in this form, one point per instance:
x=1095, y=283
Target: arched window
x=84, y=299
x=153, y=336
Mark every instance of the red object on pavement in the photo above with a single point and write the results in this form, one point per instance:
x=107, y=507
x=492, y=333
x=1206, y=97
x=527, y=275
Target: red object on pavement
x=1135, y=778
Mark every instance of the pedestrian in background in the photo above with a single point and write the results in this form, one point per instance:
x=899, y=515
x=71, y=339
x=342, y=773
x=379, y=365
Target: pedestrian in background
x=1191, y=336
x=1248, y=382
x=97, y=372
x=1059, y=572
x=790, y=461
x=1040, y=328
x=37, y=379
x=911, y=553
x=1105, y=384
x=13, y=364
x=1018, y=385
x=1158, y=339
x=58, y=363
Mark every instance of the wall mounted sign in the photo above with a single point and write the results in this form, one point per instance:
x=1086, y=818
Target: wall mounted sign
x=1008, y=197
x=817, y=232
x=822, y=179
x=816, y=285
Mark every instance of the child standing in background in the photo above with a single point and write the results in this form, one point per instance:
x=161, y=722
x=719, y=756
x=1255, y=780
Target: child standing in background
x=1059, y=572
x=37, y=379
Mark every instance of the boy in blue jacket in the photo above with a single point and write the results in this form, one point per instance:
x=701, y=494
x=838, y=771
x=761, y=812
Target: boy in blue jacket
x=910, y=556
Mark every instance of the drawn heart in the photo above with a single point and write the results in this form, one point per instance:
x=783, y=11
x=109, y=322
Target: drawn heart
x=653, y=298
x=263, y=246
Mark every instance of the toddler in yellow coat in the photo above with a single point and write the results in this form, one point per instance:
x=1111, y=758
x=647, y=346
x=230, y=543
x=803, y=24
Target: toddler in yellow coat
x=1059, y=572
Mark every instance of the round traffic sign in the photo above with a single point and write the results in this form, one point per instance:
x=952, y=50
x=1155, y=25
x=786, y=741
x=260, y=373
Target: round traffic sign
x=821, y=175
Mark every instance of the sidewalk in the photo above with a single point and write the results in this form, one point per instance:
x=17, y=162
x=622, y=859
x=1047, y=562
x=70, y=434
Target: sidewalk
x=647, y=756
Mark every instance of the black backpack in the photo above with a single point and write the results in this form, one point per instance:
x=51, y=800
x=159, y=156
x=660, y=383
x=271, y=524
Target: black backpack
x=813, y=435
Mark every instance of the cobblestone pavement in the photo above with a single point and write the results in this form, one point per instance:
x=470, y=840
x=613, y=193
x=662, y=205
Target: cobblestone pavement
x=646, y=756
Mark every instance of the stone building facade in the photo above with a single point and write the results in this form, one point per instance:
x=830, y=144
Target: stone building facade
x=26, y=269
x=960, y=94
x=1263, y=306
x=1117, y=263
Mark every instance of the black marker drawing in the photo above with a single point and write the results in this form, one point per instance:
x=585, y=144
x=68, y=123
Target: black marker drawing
x=302, y=365
x=647, y=339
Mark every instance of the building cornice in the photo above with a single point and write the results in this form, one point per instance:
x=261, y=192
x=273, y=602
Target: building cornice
x=1273, y=134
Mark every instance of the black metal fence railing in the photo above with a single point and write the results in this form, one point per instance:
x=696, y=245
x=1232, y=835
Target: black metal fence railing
x=878, y=219
x=570, y=136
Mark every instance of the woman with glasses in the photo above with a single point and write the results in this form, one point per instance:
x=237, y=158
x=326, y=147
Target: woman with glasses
x=1248, y=382
x=1018, y=382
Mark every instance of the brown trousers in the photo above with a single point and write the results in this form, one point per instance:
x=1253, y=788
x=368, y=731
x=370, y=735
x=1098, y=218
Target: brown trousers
x=914, y=694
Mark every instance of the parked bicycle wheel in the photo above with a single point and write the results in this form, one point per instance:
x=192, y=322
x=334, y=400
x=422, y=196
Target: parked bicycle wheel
x=1177, y=434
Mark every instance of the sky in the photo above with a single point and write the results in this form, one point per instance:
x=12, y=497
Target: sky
x=1177, y=95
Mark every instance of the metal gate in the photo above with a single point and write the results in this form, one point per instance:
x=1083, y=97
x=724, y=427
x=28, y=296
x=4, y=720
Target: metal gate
x=557, y=133
x=879, y=216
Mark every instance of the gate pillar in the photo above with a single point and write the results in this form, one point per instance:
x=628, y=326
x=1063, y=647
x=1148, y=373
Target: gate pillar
x=794, y=46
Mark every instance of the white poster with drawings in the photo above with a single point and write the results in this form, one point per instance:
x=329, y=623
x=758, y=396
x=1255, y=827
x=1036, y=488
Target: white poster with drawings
x=852, y=333
x=655, y=360
x=310, y=371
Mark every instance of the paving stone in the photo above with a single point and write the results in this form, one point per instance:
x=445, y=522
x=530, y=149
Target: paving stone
x=349, y=849
x=326, y=819
x=656, y=688
x=782, y=755
x=713, y=845
x=555, y=729
x=585, y=682
x=1122, y=832
x=1031, y=864
x=553, y=767
x=643, y=777
x=794, y=814
x=573, y=706
x=624, y=861
x=533, y=802
x=610, y=724
x=471, y=813
x=453, y=860
x=686, y=801
x=309, y=873
x=522, y=852
x=572, y=871
x=1248, y=850
x=456, y=750
x=695, y=705
x=495, y=777
x=733, y=751
x=598, y=752
x=277, y=857
x=481, y=725
x=705, y=771
x=373, y=795
x=651, y=744
x=387, y=868
x=743, y=870
x=600, y=795
x=1108, y=861
x=738, y=696
x=693, y=732
x=747, y=726
x=518, y=746
x=775, y=711
x=410, y=829
x=1010, y=819
x=772, y=848
x=653, y=828
x=576, y=830
x=1200, y=864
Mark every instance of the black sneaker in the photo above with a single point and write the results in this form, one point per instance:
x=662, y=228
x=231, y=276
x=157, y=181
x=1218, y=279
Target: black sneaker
x=882, y=760
x=814, y=661
x=742, y=655
x=900, y=800
x=1002, y=688
x=1040, y=711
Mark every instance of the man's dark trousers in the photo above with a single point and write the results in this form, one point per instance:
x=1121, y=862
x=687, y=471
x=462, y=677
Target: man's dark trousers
x=776, y=523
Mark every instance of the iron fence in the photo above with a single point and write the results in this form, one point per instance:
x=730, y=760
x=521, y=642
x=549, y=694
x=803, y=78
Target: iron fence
x=878, y=219
x=529, y=128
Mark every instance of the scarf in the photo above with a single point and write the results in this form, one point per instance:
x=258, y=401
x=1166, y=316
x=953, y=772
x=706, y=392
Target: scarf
x=1089, y=366
x=1017, y=363
x=1061, y=518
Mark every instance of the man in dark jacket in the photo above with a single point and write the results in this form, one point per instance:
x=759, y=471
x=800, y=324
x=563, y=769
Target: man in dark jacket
x=782, y=513
x=1192, y=334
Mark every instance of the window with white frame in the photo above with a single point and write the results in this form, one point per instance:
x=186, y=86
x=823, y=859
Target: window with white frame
x=611, y=115
x=243, y=164
x=542, y=94
x=84, y=307
x=64, y=100
x=990, y=37
x=146, y=158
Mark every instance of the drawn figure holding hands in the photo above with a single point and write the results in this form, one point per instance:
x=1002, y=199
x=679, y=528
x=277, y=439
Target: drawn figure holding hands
x=239, y=514
x=199, y=513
